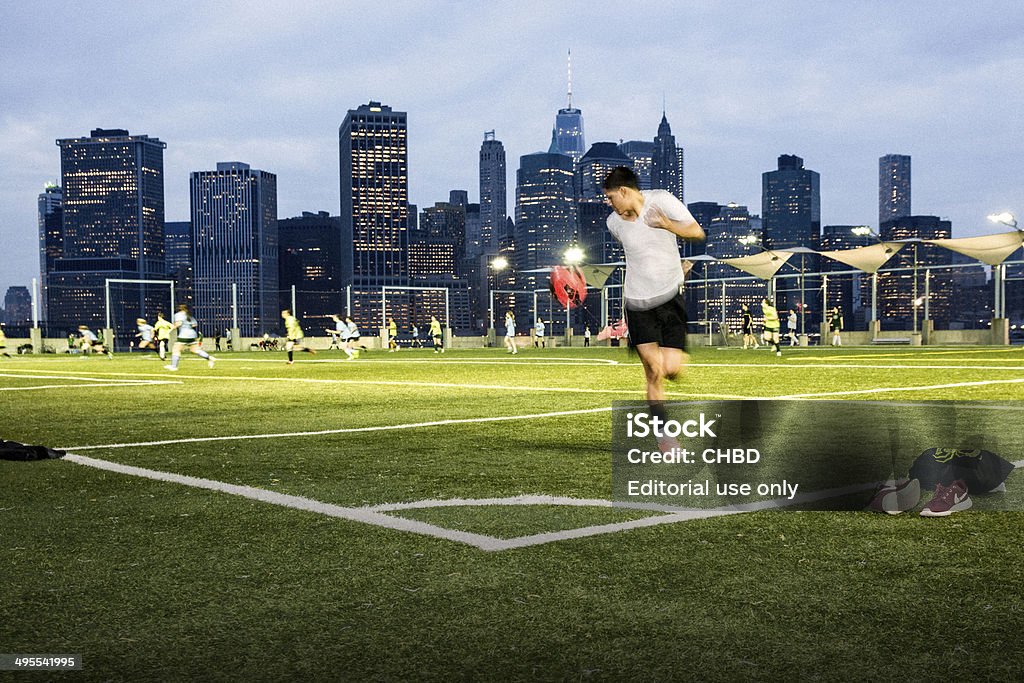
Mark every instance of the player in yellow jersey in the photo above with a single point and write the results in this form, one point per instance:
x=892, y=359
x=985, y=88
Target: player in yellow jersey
x=162, y=327
x=771, y=324
x=293, y=336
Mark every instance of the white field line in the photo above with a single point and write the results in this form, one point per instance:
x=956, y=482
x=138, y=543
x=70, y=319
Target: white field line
x=295, y=502
x=552, y=360
x=886, y=390
x=375, y=516
x=83, y=382
x=784, y=365
x=429, y=385
x=346, y=430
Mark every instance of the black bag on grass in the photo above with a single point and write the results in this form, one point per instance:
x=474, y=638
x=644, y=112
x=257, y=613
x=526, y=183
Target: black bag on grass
x=981, y=470
x=12, y=450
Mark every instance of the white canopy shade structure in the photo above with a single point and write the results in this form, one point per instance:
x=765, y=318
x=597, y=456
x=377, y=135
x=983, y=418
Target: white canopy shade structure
x=764, y=265
x=869, y=258
x=989, y=249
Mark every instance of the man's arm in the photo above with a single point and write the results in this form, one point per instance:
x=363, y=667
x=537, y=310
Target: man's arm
x=688, y=228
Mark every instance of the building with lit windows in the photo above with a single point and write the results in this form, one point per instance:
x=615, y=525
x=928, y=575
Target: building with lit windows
x=493, y=199
x=667, y=162
x=51, y=238
x=113, y=228
x=235, y=242
x=17, y=306
x=178, y=252
x=641, y=157
x=791, y=205
x=545, y=217
x=373, y=161
x=901, y=282
x=310, y=262
x=893, y=187
x=568, y=131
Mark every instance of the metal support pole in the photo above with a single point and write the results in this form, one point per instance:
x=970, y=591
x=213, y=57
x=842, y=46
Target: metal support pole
x=234, y=305
x=927, y=292
x=721, y=326
x=35, y=303
x=295, y=311
x=348, y=300
x=490, y=308
x=106, y=287
x=874, y=295
x=384, y=306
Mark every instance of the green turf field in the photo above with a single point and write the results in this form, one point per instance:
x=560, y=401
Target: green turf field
x=412, y=516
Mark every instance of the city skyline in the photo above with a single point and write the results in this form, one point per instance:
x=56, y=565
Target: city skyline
x=839, y=87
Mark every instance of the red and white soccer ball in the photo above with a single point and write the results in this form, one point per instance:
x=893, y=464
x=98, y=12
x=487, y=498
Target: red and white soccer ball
x=568, y=285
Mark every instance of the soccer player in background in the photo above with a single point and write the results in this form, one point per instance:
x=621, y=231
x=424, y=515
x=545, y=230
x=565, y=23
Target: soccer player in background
x=293, y=336
x=188, y=335
x=145, y=334
x=771, y=324
x=435, y=333
x=163, y=328
x=538, y=331
x=749, y=339
x=510, y=333
x=649, y=224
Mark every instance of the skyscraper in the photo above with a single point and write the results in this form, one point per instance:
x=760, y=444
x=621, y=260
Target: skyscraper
x=493, y=200
x=113, y=228
x=598, y=243
x=545, y=214
x=310, y=261
x=178, y=252
x=667, y=162
x=641, y=154
x=373, y=153
x=569, y=127
x=17, y=306
x=893, y=187
x=51, y=238
x=898, y=292
x=235, y=241
x=791, y=205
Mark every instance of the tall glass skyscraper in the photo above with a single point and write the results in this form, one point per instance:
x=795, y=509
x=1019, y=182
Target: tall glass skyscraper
x=493, y=199
x=374, y=176
x=51, y=238
x=569, y=127
x=235, y=241
x=893, y=187
x=113, y=228
x=791, y=205
x=545, y=214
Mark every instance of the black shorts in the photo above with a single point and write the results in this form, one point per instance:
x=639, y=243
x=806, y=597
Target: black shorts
x=664, y=325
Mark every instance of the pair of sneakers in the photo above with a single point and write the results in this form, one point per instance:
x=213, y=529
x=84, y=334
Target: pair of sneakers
x=894, y=500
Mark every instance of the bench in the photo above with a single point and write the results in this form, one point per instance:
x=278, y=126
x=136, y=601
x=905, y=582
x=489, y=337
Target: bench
x=891, y=340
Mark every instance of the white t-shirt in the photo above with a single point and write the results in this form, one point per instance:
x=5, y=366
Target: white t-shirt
x=187, y=328
x=654, y=271
x=510, y=327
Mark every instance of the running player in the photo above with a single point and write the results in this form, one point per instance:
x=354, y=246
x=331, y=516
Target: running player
x=163, y=328
x=145, y=334
x=353, y=337
x=293, y=336
x=89, y=342
x=188, y=335
x=749, y=340
x=649, y=225
x=392, y=335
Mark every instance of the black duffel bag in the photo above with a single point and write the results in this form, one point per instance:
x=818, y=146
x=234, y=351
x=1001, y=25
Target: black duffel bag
x=12, y=450
x=981, y=470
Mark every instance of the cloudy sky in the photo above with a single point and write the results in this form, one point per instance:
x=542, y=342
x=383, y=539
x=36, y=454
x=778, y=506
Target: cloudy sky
x=268, y=83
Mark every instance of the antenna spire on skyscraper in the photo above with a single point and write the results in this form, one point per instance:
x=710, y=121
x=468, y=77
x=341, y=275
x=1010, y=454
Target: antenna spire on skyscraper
x=570, y=80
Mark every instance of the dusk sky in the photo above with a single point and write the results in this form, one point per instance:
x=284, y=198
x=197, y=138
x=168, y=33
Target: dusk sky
x=267, y=83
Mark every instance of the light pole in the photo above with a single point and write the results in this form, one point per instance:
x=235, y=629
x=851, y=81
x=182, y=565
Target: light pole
x=573, y=256
x=999, y=285
x=863, y=230
x=497, y=264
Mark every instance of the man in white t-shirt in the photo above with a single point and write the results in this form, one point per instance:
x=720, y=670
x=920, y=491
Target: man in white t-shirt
x=649, y=224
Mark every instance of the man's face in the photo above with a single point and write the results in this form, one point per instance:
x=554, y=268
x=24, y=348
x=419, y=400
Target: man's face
x=620, y=201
